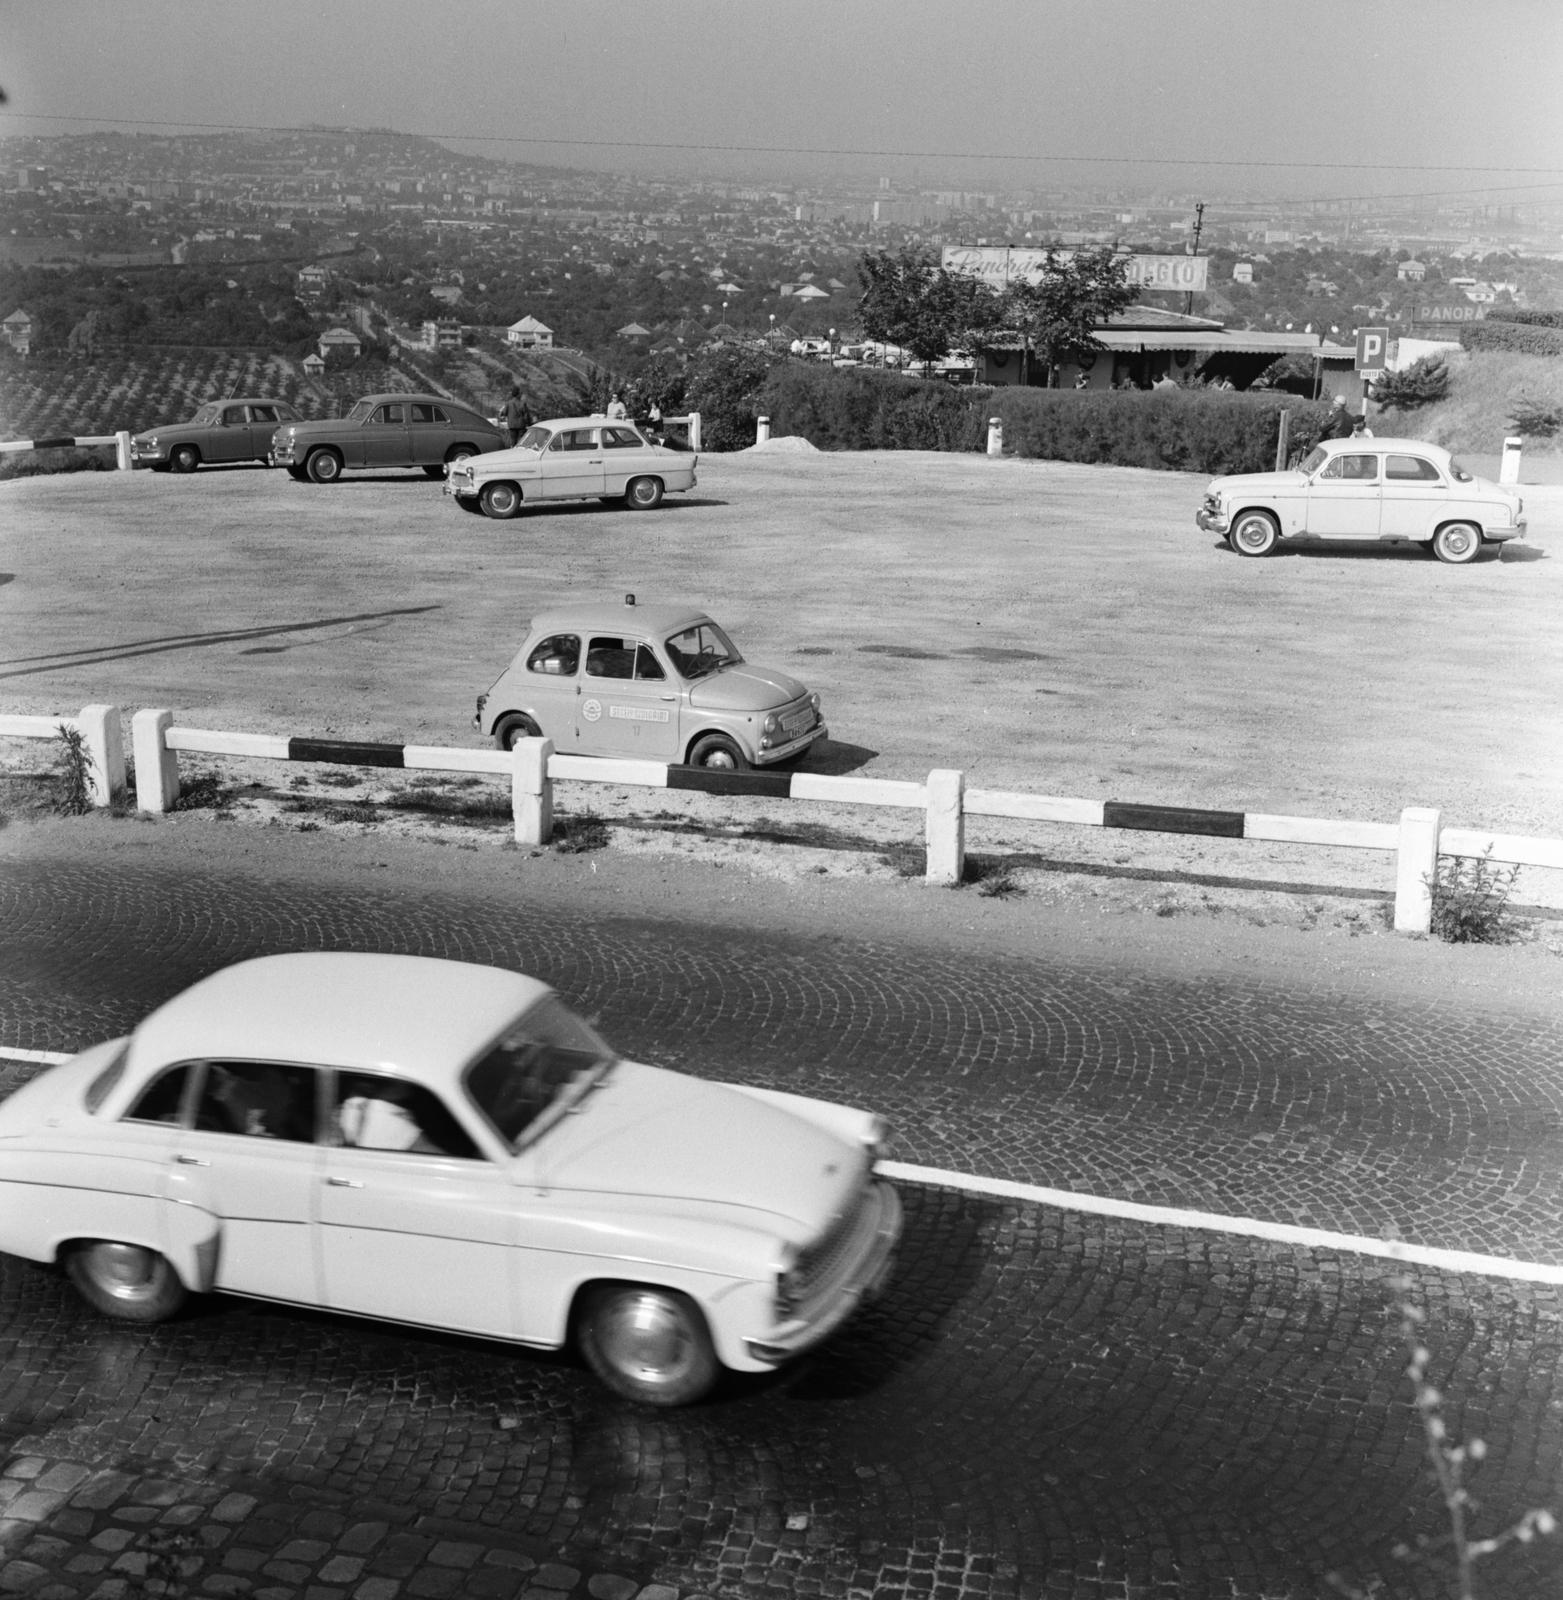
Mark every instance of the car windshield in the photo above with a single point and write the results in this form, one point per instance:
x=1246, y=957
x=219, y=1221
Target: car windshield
x=1458, y=473
x=540, y=1067
x=534, y=439
x=1314, y=459
x=206, y=417
x=699, y=651
x=360, y=412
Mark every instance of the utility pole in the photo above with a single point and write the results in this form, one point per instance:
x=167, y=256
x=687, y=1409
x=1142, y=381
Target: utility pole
x=1199, y=223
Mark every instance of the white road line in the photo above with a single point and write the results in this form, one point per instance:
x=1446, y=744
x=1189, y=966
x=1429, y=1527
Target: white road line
x=1245, y=1227
x=1161, y=1216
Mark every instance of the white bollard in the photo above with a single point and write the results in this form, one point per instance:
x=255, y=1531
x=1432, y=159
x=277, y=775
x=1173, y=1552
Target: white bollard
x=1509, y=467
x=694, y=431
x=157, y=767
x=995, y=436
x=122, y=451
x=1416, y=865
x=532, y=791
x=946, y=827
x=106, y=746
x=762, y=430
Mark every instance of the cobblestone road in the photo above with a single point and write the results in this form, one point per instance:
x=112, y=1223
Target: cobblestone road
x=1044, y=1404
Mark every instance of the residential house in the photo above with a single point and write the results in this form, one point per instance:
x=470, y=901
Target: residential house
x=530, y=334
x=313, y=365
x=18, y=331
x=1243, y=272
x=1411, y=271
x=446, y=292
x=343, y=341
x=633, y=330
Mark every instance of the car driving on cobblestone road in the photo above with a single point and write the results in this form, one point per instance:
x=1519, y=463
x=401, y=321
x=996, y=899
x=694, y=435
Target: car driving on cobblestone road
x=446, y=1144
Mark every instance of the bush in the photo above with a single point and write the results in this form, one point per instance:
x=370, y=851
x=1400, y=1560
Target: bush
x=1471, y=901
x=1524, y=339
x=1529, y=319
x=1423, y=383
x=1535, y=418
x=853, y=409
x=724, y=384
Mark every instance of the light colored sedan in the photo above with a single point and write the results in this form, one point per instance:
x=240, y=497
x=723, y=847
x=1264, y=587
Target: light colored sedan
x=1393, y=491
x=448, y=1145
x=572, y=458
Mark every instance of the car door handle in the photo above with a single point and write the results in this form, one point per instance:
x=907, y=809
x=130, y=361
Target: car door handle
x=192, y=1161
x=345, y=1183
x=667, y=697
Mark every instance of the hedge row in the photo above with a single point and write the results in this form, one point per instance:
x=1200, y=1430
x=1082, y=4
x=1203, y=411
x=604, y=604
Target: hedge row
x=1176, y=430
x=1526, y=339
x=1531, y=319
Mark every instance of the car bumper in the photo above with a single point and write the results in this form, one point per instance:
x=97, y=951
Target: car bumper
x=146, y=455
x=1498, y=535
x=864, y=1280
x=1211, y=521
x=785, y=752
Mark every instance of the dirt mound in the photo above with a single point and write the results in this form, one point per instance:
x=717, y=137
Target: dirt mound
x=786, y=445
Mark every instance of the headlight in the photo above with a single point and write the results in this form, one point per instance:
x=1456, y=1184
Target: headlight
x=877, y=1140
x=772, y=723
x=814, y=701
x=789, y=1285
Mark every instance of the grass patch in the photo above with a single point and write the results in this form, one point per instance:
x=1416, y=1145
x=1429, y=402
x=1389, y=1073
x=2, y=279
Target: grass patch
x=993, y=877
x=908, y=860
x=574, y=836
x=204, y=792
x=489, y=806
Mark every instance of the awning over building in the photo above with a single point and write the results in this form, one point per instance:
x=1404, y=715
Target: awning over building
x=1242, y=341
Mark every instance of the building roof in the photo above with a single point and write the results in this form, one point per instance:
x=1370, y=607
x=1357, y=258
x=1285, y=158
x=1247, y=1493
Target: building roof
x=529, y=324
x=18, y=316
x=633, y=330
x=339, y=336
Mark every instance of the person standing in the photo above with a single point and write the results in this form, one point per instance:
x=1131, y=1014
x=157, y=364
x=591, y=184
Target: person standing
x=516, y=415
x=1338, y=425
x=617, y=410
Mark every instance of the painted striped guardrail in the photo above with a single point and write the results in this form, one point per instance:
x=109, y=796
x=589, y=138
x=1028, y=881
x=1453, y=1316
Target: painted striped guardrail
x=71, y=441
x=1416, y=841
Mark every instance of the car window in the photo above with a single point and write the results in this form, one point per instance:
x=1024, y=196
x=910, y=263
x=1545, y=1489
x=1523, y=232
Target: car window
x=543, y=1063
x=233, y=416
x=163, y=1099
x=1458, y=473
x=360, y=412
x=575, y=439
x=558, y=656
x=264, y=414
x=1412, y=469
x=610, y=658
x=647, y=667
x=261, y=1099
x=534, y=439
x=206, y=417
x=622, y=439
x=388, y=414
x=373, y=1112
x=699, y=651
x=420, y=413
x=1313, y=460
x=1352, y=469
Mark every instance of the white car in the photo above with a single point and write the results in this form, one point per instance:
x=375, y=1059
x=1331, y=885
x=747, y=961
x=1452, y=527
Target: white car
x=448, y=1145
x=572, y=458
x=1367, y=490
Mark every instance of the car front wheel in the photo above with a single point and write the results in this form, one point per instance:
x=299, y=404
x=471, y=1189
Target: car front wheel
x=717, y=753
x=125, y=1281
x=324, y=466
x=186, y=458
x=500, y=500
x=1457, y=543
x=650, y=1345
x=1255, y=533
x=516, y=726
x=643, y=494
x=298, y=474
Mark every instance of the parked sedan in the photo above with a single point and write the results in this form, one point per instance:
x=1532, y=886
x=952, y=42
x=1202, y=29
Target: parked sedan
x=573, y=458
x=386, y=430
x=1364, y=489
x=661, y=683
x=448, y=1145
x=223, y=430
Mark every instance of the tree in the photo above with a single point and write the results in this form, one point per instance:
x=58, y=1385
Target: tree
x=1423, y=383
x=911, y=301
x=1057, y=315
x=723, y=384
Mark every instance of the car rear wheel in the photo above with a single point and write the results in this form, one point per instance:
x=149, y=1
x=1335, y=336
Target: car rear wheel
x=125, y=1281
x=717, y=753
x=1255, y=533
x=650, y=1345
x=324, y=466
x=515, y=726
x=500, y=500
x=1457, y=543
x=184, y=458
x=643, y=494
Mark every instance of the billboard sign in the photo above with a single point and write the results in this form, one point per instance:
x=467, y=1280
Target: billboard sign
x=1372, y=349
x=1465, y=313
x=1000, y=265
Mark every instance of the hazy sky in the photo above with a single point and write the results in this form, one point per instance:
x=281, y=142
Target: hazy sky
x=1423, y=82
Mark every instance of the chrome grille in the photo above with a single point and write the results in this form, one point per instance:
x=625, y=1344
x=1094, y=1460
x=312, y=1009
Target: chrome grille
x=823, y=1261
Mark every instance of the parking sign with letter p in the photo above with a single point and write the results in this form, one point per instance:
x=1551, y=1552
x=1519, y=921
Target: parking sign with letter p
x=1372, y=348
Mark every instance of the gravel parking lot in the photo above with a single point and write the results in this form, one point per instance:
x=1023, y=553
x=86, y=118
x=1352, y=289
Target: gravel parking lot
x=1045, y=626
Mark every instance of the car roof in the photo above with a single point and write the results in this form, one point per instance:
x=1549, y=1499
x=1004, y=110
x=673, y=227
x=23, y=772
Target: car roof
x=1368, y=442
x=421, y=398
x=416, y=1015
x=597, y=421
x=247, y=400
x=651, y=619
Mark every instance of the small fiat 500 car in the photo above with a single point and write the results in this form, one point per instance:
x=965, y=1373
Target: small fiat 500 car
x=224, y=430
x=1394, y=491
x=573, y=458
x=661, y=683
x=386, y=430
x=447, y=1145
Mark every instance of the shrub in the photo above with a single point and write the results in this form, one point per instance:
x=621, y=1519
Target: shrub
x=853, y=409
x=1471, y=901
x=1521, y=338
x=1535, y=418
x=76, y=796
x=724, y=385
x=1423, y=383
x=1529, y=319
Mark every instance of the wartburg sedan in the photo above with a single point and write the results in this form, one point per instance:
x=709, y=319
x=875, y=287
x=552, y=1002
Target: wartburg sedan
x=1393, y=491
x=386, y=430
x=574, y=458
x=447, y=1145
x=224, y=430
x=661, y=683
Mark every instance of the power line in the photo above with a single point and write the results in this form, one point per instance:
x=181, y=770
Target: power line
x=784, y=150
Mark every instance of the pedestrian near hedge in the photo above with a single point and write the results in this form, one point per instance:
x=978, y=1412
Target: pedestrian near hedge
x=516, y=415
x=1338, y=425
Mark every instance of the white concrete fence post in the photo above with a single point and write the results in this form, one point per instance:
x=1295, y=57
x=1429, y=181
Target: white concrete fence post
x=1416, y=865
x=122, y=451
x=946, y=827
x=106, y=746
x=1509, y=466
x=694, y=431
x=995, y=436
x=157, y=767
x=532, y=791
x=762, y=430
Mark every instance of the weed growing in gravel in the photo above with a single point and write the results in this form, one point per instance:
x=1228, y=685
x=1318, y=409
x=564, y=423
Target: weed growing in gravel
x=487, y=807
x=1471, y=901
x=574, y=836
x=995, y=878
x=75, y=798
x=1449, y=1461
x=203, y=792
x=909, y=860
